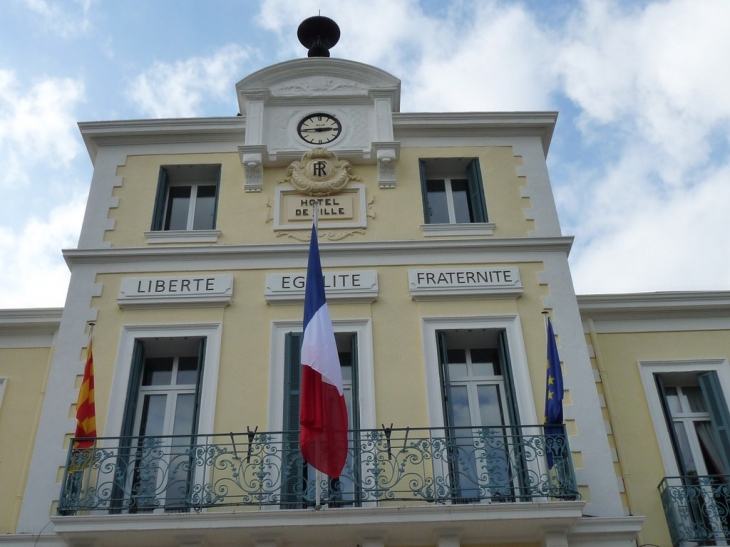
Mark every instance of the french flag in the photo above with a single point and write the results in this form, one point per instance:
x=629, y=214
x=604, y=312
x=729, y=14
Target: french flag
x=322, y=409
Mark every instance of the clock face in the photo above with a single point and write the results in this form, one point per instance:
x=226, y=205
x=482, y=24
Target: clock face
x=319, y=128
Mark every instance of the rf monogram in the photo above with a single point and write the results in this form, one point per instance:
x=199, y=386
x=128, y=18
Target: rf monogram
x=319, y=168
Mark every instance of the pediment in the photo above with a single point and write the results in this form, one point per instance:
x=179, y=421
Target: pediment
x=318, y=77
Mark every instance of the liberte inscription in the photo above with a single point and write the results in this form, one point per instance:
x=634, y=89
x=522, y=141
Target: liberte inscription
x=176, y=291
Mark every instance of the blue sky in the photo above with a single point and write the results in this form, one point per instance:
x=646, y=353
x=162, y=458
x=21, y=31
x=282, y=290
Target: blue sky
x=640, y=161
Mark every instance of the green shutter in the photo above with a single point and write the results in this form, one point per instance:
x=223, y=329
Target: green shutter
x=158, y=215
x=293, y=465
x=509, y=380
x=217, y=194
x=424, y=191
x=130, y=410
x=135, y=376
x=292, y=377
x=445, y=380
x=355, y=385
x=476, y=192
x=518, y=456
x=199, y=386
x=719, y=416
x=670, y=424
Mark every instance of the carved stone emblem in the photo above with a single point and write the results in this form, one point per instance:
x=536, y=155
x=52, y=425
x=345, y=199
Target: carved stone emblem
x=319, y=173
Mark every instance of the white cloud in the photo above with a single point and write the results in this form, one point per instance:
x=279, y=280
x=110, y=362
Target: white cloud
x=679, y=243
x=37, y=124
x=659, y=73
x=465, y=57
x=64, y=18
x=179, y=89
x=650, y=87
x=32, y=270
x=500, y=61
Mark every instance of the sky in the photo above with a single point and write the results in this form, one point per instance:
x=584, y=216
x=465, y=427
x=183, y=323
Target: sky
x=640, y=159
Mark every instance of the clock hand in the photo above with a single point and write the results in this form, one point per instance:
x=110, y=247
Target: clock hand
x=318, y=129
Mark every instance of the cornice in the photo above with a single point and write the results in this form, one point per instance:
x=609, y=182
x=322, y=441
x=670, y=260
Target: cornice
x=30, y=317
x=452, y=124
x=655, y=305
x=392, y=252
x=374, y=79
x=161, y=131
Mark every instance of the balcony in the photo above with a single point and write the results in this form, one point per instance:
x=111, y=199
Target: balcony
x=409, y=485
x=257, y=470
x=697, y=509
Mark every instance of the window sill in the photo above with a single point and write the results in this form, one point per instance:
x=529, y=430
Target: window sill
x=183, y=236
x=472, y=229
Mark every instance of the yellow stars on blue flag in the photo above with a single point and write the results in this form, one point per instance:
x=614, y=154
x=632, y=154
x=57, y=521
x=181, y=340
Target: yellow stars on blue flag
x=554, y=383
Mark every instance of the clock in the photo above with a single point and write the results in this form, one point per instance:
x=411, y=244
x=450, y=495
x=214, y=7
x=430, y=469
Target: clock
x=319, y=128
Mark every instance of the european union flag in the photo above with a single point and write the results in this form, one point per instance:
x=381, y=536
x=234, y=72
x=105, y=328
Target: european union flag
x=553, y=398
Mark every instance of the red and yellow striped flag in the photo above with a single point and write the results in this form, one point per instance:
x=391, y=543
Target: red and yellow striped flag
x=85, y=408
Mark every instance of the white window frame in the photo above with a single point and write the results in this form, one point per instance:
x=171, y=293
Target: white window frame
x=3, y=384
x=518, y=362
x=450, y=196
x=647, y=370
x=517, y=354
x=366, y=378
x=191, y=206
x=209, y=385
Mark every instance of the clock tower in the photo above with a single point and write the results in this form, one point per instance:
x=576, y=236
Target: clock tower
x=296, y=106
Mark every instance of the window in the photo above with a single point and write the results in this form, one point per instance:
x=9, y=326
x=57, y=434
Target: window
x=160, y=420
x=3, y=383
x=187, y=198
x=695, y=408
x=697, y=421
x=689, y=395
x=297, y=477
x=453, y=192
x=478, y=403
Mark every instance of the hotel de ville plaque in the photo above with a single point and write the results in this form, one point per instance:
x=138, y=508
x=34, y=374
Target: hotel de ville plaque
x=320, y=179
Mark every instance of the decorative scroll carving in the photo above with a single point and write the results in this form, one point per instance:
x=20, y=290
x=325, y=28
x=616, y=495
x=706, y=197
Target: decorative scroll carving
x=253, y=171
x=331, y=236
x=320, y=173
x=386, y=168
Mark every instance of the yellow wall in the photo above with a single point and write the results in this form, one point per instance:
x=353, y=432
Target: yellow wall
x=640, y=458
x=242, y=217
x=243, y=384
x=26, y=370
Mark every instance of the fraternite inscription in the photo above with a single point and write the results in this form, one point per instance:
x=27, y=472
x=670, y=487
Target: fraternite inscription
x=494, y=282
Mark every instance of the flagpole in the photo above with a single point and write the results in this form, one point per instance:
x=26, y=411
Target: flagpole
x=318, y=474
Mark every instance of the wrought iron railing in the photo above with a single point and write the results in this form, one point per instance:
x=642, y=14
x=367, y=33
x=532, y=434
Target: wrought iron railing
x=454, y=465
x=697, y=508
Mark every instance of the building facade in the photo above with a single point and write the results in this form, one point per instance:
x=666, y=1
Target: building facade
x=441, y=249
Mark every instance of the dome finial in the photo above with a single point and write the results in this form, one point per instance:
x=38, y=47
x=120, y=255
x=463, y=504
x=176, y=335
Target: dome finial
x=318, y=34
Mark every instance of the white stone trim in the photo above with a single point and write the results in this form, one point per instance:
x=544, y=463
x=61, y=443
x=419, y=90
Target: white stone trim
x=289, y=288
x=647, y=370
x=217, y=292
x=463, y=287
x=518, y=358
x=361, y=204
x=458, y=230
x=339, y=254
x=366, y=381
x=182, y=236
x=209, y=387
x=413, y=524
x=3, y=385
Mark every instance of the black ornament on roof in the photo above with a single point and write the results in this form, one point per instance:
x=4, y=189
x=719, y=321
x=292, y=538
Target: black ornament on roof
x=318, y=34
